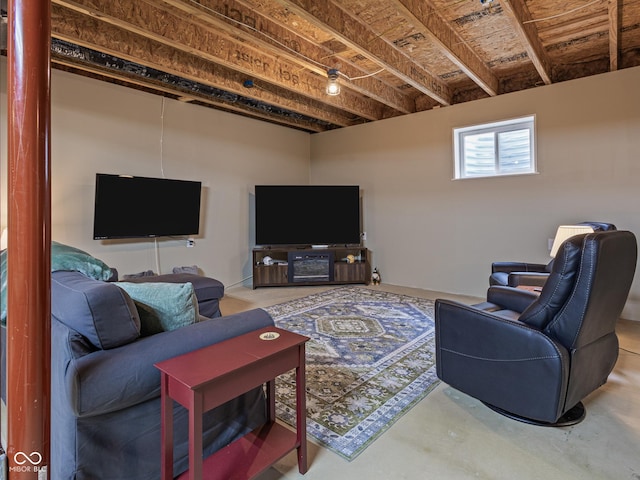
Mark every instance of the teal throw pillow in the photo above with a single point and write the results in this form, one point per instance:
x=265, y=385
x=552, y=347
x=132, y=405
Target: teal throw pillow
x=64, y=257
x=163, y=306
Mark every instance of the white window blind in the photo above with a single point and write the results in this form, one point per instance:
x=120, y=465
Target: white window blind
x=493, y=149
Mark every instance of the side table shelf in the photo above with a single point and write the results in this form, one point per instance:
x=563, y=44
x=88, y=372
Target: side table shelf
x=248, y=456
x=343, y=265
x=204, y=379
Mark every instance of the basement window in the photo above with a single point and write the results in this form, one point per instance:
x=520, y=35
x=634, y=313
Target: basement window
x=495, y=149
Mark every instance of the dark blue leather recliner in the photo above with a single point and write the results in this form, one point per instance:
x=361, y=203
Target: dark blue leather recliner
x=534, y=358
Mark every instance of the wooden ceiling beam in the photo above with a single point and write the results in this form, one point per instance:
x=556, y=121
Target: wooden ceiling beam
x=268, y=34
x=423, y=15
x=183, y=95
x=177, y=32
x=572, y=27
x=521, y=21
x=92, y=33
x=614, y=30
x=349, y=30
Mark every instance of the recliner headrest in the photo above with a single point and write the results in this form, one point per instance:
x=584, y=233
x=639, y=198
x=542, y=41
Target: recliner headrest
x=600, y=226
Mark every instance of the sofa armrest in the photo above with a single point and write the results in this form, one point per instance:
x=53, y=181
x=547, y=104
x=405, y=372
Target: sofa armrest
x=109, y=380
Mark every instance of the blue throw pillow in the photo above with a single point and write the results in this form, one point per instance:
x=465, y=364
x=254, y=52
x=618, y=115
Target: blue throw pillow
x=163, y=306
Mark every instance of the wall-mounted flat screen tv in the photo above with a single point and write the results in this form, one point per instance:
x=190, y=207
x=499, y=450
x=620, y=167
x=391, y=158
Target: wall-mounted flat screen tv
x=140, y=207
x=307, y=215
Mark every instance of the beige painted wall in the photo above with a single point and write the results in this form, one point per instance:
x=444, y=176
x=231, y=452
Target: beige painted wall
x=99, y=127
x=428, y=231
x=425, y=230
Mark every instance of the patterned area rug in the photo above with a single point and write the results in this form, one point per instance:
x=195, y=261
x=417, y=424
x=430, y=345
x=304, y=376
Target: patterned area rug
x=371, y=358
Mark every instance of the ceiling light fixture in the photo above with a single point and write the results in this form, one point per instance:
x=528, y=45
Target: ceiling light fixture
x=333, y=87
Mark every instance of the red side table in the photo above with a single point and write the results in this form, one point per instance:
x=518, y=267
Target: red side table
x=204, y=379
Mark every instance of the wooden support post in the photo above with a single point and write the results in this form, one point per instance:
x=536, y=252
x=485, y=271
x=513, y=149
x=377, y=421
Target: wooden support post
x=29, y=246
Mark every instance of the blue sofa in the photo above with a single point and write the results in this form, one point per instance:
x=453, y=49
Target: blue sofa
x=105, y=390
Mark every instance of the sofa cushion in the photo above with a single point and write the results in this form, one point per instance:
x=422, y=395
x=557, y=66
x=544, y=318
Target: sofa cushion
x=163, y=306
x=100, y=311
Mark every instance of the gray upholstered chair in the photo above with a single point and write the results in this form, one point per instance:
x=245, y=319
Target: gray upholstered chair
x=534, y=358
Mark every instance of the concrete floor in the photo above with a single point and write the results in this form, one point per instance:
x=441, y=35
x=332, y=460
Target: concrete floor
x=450, y=435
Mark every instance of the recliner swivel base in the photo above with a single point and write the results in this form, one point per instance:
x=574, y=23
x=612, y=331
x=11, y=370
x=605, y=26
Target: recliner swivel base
x=572, y=417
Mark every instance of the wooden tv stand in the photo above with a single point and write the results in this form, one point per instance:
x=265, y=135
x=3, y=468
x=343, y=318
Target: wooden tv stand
x=343, y=272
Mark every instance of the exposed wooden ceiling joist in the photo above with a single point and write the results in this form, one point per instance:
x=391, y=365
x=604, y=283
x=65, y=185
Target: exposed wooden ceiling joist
x=159, y=26
x=423, y=13
x=350, y=31
x=268, y=59
x=180, y=93
x=575, y=27
x=271, y=35
x=521, y=20
x=133, y=48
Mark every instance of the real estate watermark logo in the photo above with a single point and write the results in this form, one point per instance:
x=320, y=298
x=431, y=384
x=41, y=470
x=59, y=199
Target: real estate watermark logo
x=30, y=462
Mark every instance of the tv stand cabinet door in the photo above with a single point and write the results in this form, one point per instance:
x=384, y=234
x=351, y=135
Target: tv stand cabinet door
x=350, y=273
x=270, y=275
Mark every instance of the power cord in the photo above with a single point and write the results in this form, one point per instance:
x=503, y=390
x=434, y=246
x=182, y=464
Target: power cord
x=162, y=139
x=157, y=255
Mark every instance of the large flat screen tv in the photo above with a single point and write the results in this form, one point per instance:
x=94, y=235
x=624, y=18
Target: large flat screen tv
x=307, y=215
x=139, y=207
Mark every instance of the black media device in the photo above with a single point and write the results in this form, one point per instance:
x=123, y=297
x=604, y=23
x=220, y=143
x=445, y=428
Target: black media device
x=303, y=215
x=310, y=266
x=141, y=207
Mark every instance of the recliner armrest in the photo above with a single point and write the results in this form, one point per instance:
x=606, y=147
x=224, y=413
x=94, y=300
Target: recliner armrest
x=482, y=334
x=534, y=279
x=510, y=298
x=509, y=267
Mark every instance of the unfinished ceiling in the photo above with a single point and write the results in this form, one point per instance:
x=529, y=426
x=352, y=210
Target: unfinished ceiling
x=269, y=59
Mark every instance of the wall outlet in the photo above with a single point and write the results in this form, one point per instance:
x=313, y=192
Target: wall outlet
x=364, y=236
x=190, y=242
